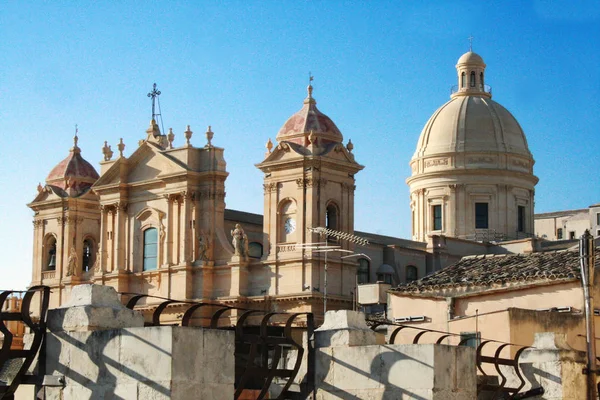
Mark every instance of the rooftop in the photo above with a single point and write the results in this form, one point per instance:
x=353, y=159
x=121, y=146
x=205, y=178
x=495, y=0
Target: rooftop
x=476, y=273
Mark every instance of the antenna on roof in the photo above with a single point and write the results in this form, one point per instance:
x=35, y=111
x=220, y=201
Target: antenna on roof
x=154, y=95
x=470, y=42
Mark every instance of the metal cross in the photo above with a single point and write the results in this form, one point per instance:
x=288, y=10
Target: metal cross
x=310, y=78
x=154, y=94
x=470, y=42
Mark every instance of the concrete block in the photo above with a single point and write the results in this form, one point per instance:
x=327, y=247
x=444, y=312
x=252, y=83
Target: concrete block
x=145, y=353
x=344, y=328
x=93, y=295
x=218, y=357
x=188, y=355
x=357, y=367
x=93, y=307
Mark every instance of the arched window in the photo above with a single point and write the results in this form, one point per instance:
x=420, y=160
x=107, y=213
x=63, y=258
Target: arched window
x=150, y=249
x=412, y=273
x=331, y=217
x=481, y=81
x=463, y=78
x=363, y=270
x=49, y=261
x=255, y=250
x=472, y=80
x=87, y=259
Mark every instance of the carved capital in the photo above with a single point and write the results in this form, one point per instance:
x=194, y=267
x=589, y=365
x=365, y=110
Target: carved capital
x=310, y=182
x=350, y=187
x=38, y=223
x=270, y=187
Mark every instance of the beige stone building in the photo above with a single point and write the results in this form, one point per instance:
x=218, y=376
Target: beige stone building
x=568, y=224
x=472, y=172
x=155, y=222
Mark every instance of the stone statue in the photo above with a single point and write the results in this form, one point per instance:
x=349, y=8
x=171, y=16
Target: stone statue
x=203, y=246
x=96, y=267
x=239, y=238
x=72, y=263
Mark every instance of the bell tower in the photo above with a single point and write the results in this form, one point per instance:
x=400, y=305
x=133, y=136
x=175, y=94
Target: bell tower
x=308, y=182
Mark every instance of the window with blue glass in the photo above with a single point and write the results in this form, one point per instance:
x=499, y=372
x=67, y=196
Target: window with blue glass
x=150, y=249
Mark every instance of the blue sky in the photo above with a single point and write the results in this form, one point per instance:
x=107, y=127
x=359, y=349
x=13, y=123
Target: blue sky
x=381, y=69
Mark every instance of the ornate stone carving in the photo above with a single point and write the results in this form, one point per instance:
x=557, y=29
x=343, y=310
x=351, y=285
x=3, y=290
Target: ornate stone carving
x=270, y=187
x=480, y=160
x=310, y=182
x=204, y=246
x=350, y=187
x=520, y=163
x=436, y=162
x=38, y=223
x=97, y=263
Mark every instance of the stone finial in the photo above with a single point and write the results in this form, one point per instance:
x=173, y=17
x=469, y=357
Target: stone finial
x=171, y=137
x=269, y=146
x=121, y=147
x=209, y=136
x=188, y=135
x=107, y=151
x=350, y=146
x=40, y=188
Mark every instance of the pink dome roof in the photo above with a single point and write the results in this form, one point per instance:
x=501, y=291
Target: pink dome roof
x=308, y=119
x=73, y=172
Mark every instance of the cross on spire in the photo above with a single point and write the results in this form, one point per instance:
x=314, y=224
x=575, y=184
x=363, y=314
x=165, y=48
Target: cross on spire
x=310, y=78
x=154, y=95
x=470, y=42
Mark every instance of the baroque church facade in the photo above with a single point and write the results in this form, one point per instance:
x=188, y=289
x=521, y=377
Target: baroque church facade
x=155, y=222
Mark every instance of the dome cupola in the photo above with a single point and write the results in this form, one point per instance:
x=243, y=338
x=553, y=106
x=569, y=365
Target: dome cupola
x=74, y=175
x=471, y=76
x=309, y=121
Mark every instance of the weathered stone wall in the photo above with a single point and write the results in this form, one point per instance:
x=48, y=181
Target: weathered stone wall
x=142, y=363
x=349, y=365
x=103, y=351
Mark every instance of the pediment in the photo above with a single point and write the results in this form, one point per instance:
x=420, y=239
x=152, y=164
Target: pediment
x=288, y=151
x=147, y=163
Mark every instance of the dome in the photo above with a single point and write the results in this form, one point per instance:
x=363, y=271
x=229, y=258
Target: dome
x=470, y=58
x=472, y=124
x=74, y=173
x=309, y=119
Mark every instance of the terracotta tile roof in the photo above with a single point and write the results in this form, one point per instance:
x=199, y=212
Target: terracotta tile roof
x=481, y=272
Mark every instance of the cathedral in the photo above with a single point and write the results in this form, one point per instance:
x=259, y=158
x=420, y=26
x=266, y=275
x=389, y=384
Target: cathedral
x=155, y=222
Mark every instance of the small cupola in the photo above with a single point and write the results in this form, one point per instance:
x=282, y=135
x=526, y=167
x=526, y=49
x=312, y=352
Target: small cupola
x=73, y=175
x=471, y=76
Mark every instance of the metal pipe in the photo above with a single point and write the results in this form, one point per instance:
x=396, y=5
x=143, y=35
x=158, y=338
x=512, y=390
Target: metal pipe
x=586, y=258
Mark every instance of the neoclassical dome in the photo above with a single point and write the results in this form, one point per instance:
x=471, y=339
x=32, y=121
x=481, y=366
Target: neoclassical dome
x=472, y=124
x=309, y=119
x=74, y=172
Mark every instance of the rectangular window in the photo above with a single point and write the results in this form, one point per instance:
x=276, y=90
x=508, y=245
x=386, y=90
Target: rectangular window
x=559, y=233
x=470, y=339
x=572, y=235
x=598, y=233
x=597, y=218
x=437, y=217
x=481, y=216
x=150, y=249
x=521, y=219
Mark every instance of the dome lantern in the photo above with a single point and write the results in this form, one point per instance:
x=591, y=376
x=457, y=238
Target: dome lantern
x=471, y=76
